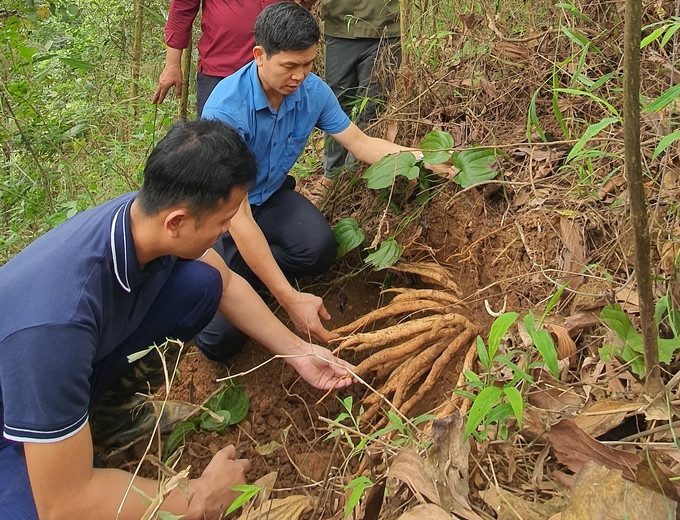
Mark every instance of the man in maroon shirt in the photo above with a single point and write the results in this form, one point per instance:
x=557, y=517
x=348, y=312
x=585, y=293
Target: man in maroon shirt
x=226, y=42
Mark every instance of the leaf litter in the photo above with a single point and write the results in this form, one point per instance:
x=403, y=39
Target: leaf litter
x=548, y=220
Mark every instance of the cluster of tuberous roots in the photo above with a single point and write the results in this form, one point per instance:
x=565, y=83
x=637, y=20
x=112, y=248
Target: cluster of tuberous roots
x=414, y=351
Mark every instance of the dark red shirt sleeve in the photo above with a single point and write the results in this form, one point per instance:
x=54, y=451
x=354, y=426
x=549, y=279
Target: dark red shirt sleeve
x=180, y=19
x=227, y=40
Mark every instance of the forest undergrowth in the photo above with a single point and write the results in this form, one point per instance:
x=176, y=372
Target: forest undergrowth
x=500, y=372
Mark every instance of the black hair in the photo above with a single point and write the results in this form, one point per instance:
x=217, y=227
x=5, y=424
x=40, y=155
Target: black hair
x=286, y=26
x=197, y=163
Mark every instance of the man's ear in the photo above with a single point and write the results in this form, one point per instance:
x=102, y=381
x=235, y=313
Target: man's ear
x=259, y=55
x=174, y=220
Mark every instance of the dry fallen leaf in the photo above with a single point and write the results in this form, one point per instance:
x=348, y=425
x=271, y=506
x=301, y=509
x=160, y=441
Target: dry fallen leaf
x=610, y=186
x=669, y=254
x=508, y=506
x=447, y=464
x=409, y=467
x=289, y=508
x=574, y=448
x=579, y=321
x=629, y=300
x=392, y=130
x=602, y=494
x=574, y=252
x=555, y=396
x=266, y=485
x=566, y=348
x=603, y=416
x=429, y=511
x=511, y=51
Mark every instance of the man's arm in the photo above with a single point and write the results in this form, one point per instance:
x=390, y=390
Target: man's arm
x=177, y=32
x=171, y=75
x=66, y=486
x=371, y=149
x=245, y=309
x=303, y=308
x=368, y=149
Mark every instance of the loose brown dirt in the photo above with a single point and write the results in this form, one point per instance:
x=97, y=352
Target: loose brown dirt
x=470, y=234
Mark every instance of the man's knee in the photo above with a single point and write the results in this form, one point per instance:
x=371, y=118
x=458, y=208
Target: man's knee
x=196, y=288
x=220, y=339
x=324, y=253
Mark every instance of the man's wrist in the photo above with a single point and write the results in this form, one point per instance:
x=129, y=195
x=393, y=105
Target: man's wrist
x=286, y=296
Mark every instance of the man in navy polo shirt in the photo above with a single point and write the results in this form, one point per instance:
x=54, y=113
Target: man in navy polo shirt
x=110, y=282
x=275, y=103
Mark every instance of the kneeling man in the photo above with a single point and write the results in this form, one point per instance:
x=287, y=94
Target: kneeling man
x=110, y=282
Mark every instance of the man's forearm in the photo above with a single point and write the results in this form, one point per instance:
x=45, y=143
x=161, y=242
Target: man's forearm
x=173, y=57
x=255, y=250
x=375, y=149
x=76, y=490
x=368, y=149
x=242, y=306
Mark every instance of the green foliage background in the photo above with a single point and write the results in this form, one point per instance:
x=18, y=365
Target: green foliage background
x=71, y=137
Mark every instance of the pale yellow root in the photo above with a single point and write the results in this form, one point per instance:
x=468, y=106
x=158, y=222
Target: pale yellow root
x=393, y=309
x=388, y=369
x=424, y=294
x=415, y=369
x=442, y=361
x=367, y=340
x=457, y=402
x=431, y=272
x=398, y=353
x=386, y=389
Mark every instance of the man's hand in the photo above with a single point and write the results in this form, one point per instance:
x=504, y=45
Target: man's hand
x=212, y=490
x=320, y=368
x=446, y=170
x=171, y=76
x=306, y=311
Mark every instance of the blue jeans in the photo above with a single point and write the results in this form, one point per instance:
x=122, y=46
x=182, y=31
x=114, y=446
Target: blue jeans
x=186, y=304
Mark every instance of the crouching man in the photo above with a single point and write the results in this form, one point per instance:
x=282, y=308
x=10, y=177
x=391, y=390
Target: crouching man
x=110, y=282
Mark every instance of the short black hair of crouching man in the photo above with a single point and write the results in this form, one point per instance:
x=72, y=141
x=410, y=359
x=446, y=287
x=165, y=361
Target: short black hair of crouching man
x=286, y=26
x=198, y=163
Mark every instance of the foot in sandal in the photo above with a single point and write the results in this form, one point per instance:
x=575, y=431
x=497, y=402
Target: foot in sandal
x=321, y=186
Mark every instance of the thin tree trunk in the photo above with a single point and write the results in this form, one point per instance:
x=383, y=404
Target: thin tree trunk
x=136, y=49
x=405, y=24
x=186, y=73
x=5, y=99
x=638, y=204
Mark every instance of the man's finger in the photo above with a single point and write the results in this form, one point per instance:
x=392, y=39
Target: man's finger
x=246, y=464
x=324, y=313
x=230, y=451
x=322, y=334
x=159, y=95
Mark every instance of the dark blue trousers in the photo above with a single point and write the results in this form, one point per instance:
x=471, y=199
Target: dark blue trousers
x=187, y=302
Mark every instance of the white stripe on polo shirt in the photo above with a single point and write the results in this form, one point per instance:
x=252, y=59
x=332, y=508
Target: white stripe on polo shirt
x=125, y=286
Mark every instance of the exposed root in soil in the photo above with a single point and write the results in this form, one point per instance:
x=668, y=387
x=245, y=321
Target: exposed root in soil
x=402, y=354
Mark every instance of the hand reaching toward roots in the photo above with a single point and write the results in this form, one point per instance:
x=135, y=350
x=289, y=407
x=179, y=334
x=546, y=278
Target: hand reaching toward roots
x=306, y=311
x=320, y=368
x=446, y=170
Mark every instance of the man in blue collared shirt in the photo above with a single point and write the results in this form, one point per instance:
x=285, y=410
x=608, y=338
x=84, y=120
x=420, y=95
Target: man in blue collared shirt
x=274, y=103
x=110, y=282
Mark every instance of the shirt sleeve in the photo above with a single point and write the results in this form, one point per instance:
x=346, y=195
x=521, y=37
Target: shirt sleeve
x=45, y=382
x=180, y=19
x=228, y=118
x=332, y=119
